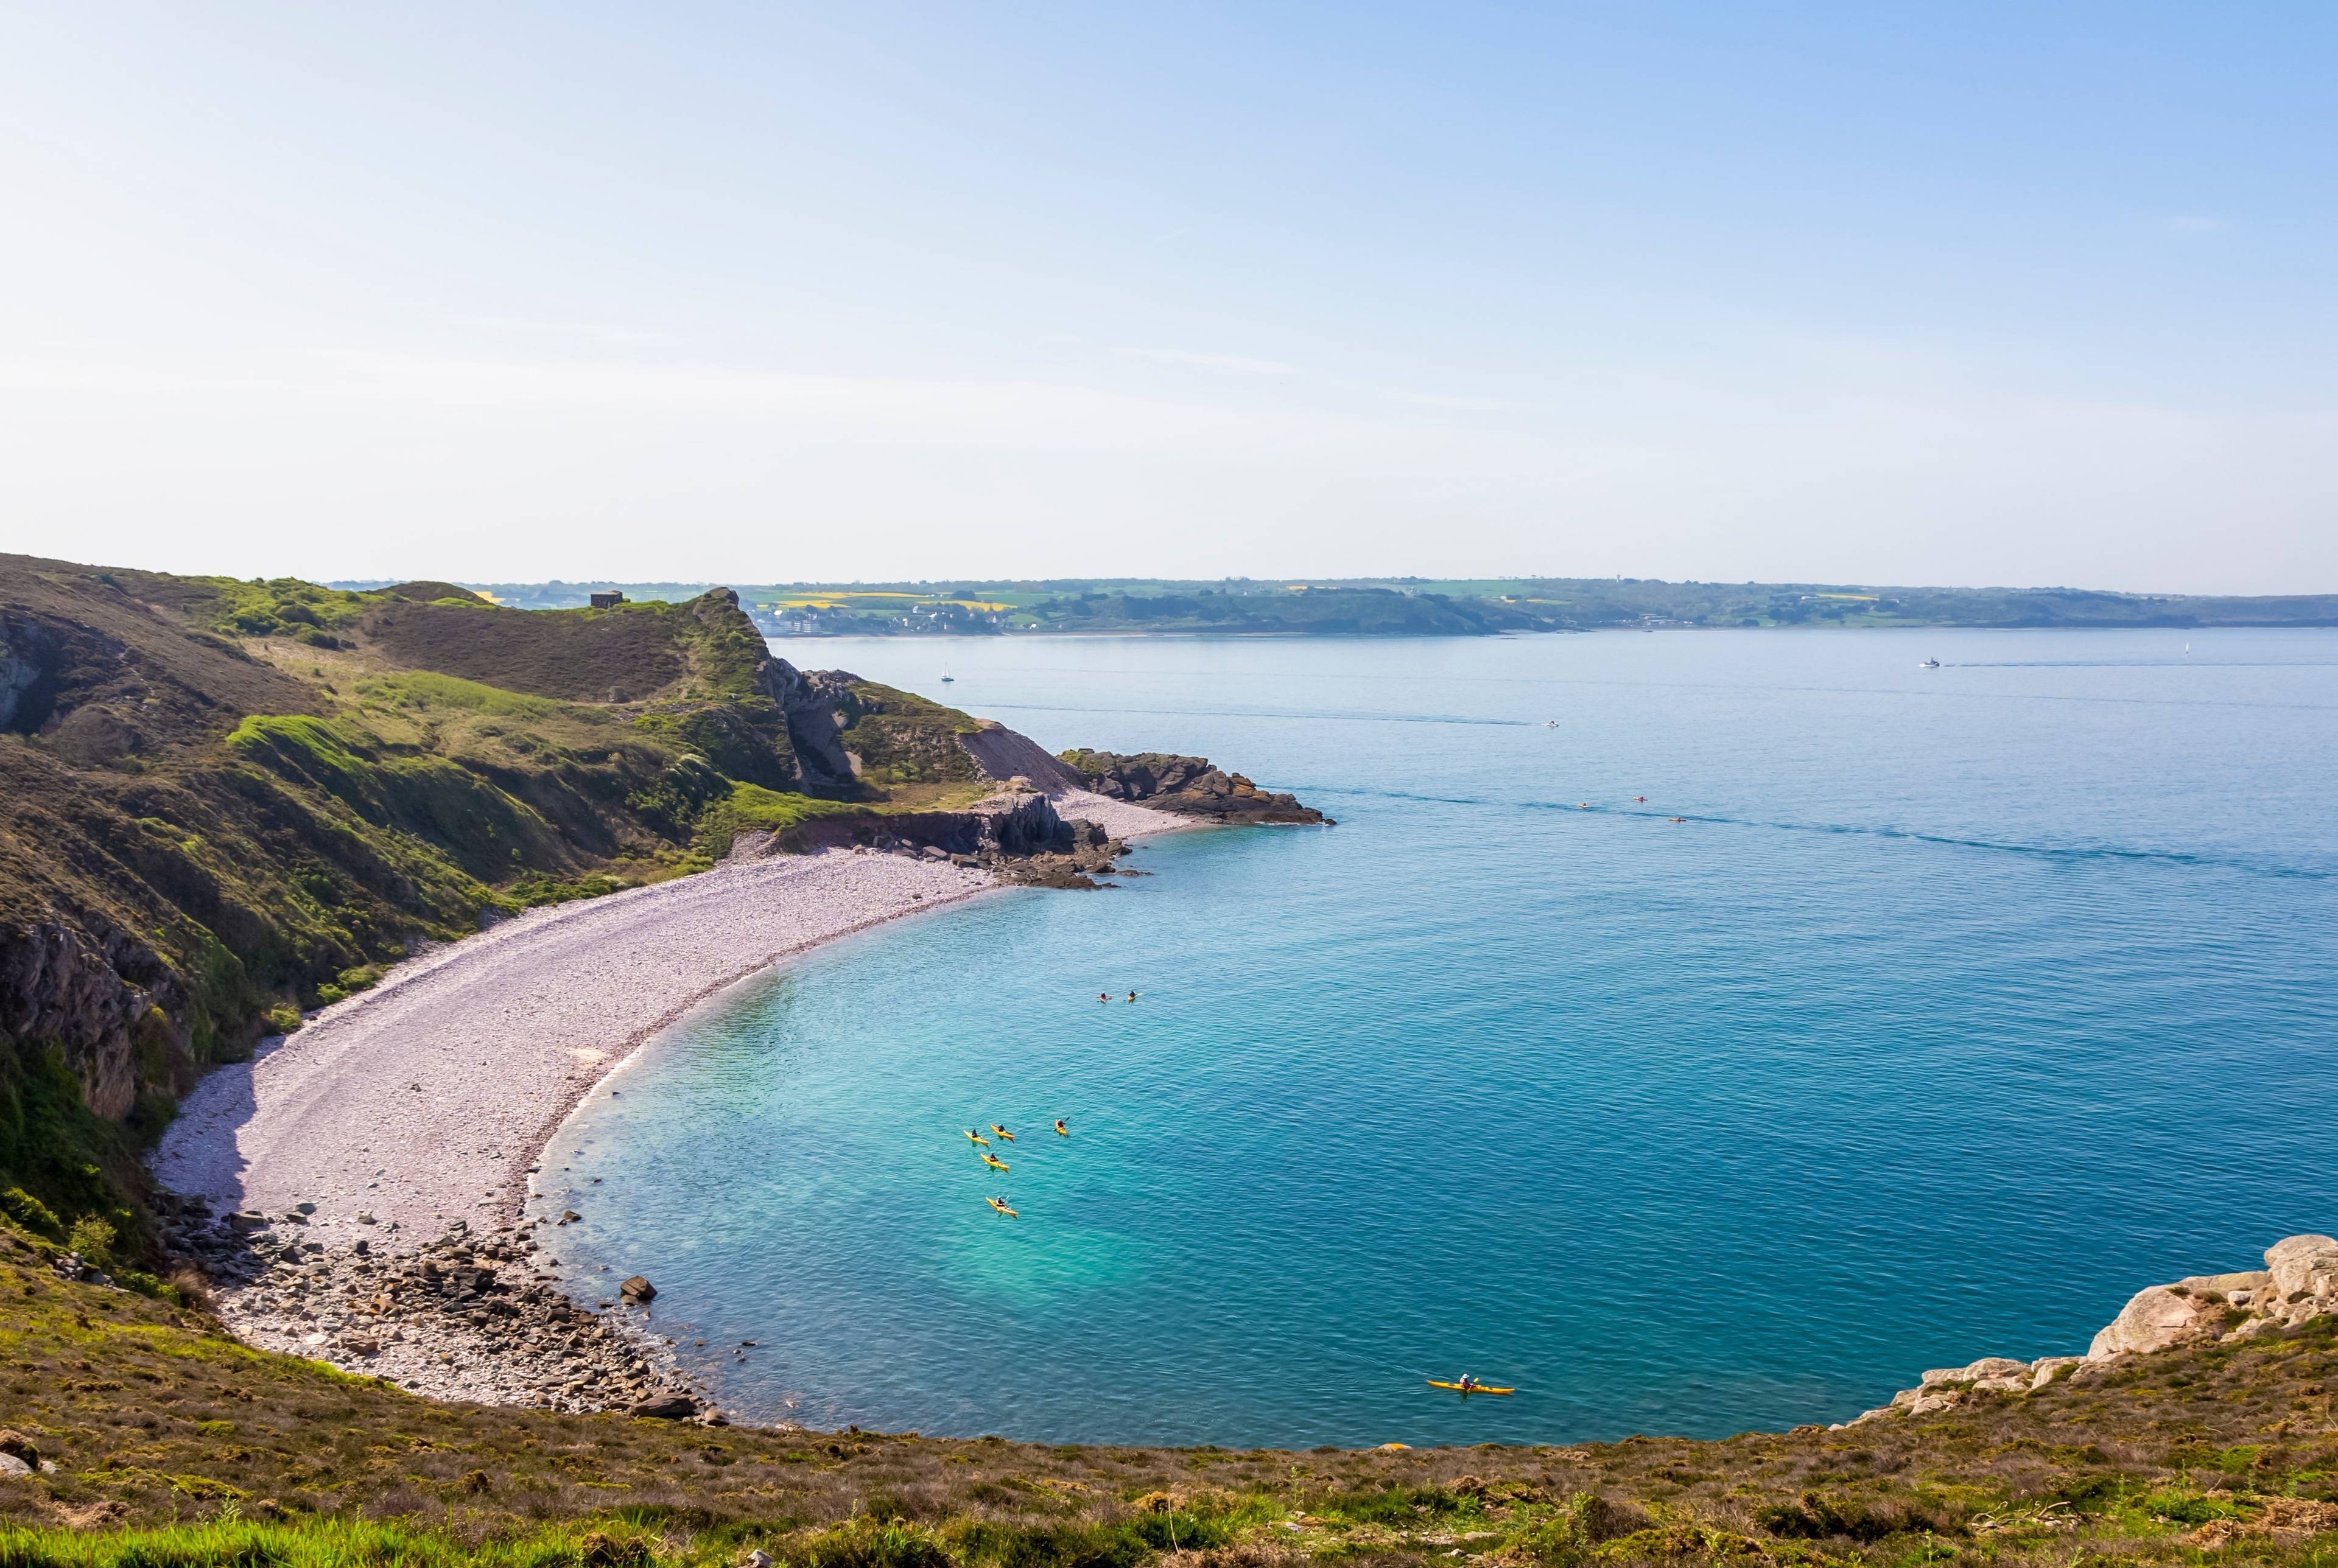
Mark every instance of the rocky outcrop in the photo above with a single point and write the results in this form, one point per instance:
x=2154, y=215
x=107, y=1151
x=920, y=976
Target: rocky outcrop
x=99, y=996
x=2298, y=1284
x=1189, y=786
x=819, y=706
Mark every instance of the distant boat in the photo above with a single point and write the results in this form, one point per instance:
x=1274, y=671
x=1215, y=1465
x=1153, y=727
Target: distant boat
x=1930, y=664
x=947, y=676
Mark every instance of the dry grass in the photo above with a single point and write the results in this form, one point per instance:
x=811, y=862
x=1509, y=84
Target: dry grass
x=156, y=1420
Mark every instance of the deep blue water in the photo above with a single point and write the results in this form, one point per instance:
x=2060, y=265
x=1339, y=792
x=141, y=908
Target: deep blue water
x=1965, y=1002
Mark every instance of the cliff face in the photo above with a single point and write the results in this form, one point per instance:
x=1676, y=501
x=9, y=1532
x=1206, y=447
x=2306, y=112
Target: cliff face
x=1189, y=786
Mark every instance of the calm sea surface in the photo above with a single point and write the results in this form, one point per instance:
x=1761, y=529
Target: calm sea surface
x=1965, y=1001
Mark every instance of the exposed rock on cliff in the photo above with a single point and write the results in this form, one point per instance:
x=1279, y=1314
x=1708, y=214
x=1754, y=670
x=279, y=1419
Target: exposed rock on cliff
x=1187, y=785
x=2298, y=1284
x=1002, y=754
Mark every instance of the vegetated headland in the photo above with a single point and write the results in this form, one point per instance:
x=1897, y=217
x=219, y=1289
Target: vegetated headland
x=379, y=881
x=1416, y=606
x=225, y=805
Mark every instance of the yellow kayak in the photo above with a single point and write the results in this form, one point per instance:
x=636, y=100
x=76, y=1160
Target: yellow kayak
x=1467, y=1389
x=1002, y=1132
x=1002, y=1208
x=1062, y=1129
x=973, y=1137
x=994, y=1162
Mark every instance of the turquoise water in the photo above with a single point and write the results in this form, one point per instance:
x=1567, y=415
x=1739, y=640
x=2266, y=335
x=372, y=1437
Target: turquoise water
x=1966, y=1002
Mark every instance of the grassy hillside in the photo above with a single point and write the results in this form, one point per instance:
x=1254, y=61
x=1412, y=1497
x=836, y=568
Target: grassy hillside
x=172, y=1443
x=223, y=802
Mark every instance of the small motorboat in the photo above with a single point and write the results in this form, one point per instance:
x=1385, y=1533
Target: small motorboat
x=1465, y=1389
x=1930, y=664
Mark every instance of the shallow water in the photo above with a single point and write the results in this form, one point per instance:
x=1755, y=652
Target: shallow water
x=1966, y=1002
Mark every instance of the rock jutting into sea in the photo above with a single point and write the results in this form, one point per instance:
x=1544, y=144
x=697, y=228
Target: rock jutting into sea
x=1188, y=785
x=2298, y=1284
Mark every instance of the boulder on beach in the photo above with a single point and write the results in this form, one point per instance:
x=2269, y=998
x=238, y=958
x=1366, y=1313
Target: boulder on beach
x=638, y=1290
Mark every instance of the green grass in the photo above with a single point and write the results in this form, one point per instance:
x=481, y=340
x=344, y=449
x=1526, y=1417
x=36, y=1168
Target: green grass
x=174, y=1444
x=230, y=1540
x=422, y=689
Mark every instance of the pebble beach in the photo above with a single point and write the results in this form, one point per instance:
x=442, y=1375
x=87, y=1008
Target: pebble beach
x=354, y=1191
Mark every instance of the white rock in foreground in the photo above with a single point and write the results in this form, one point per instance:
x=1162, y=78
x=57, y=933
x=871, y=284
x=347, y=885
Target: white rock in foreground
x=2298, y=1284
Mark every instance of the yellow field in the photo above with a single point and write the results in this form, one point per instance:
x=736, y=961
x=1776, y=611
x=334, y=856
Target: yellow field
x=858, y=600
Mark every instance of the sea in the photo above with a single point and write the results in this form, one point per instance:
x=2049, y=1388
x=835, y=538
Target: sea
x=1697, y=1031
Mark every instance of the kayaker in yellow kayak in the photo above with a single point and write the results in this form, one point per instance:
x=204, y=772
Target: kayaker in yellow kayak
x=1466, y=1385
x=1060, y=1128
x=974, y=1137
x=1002, y=1132
x=994, y=1162
x=1000, y=1204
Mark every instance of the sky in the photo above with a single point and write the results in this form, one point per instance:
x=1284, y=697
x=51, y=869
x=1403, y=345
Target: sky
x=2027, y=294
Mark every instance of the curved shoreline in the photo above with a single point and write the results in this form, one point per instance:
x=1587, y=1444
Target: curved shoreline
x=387, y=1147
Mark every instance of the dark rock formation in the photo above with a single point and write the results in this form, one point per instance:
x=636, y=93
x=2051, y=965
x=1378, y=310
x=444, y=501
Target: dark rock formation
x=1187, y=785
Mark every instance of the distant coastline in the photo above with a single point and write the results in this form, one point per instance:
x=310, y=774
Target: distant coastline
x=1414, y=606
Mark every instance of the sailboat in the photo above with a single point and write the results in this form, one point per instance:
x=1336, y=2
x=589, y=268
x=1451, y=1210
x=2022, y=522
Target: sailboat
x=947, y=676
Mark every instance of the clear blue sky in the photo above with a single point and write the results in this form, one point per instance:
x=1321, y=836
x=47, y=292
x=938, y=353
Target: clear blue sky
x=1977, y=294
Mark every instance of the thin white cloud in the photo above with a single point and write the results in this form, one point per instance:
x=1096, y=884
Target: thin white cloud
x=586, y=331
x=1232, y=363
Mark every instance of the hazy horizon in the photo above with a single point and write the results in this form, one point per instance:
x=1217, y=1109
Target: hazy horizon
x=1999, y=297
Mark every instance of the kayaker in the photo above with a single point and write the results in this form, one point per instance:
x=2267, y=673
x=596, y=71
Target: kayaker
x=1061, y=1128
x=1132, y=995
x=1466, y=1382
x=1104, y=996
